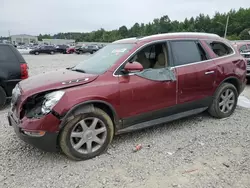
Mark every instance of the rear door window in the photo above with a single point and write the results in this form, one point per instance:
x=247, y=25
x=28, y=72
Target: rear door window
x=6, y=54
x=220, y=48
x=186, y=52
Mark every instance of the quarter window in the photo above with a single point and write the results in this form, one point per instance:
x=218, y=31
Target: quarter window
x=219, y=48
x=186, y=52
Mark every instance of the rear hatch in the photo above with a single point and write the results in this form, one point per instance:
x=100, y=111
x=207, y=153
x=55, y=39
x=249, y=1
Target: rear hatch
x=13, y=67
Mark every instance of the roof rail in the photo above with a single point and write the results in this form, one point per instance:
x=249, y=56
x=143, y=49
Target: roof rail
x=181, y=33
x=123, y=40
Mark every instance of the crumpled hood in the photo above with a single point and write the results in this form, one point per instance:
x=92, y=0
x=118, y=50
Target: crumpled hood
x=54, y=80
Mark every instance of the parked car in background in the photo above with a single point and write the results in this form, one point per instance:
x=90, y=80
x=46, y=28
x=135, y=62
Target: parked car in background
x=241, y=45
x=71, y=50
x=246, y=54
x=87, y=49
x=128, y=85
x=244, y=48
x=13, y=68
x=77, y=47
x=100, y=46
x=47, y=49
x=62, y=48
x=24, y=49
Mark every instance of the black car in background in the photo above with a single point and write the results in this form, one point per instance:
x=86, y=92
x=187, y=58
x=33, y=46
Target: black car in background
x=87, y=49
x=13, y=68
x=62, y=48
x=44, y=49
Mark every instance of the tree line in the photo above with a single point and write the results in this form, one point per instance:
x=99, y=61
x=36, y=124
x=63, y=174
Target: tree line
x=238, y=28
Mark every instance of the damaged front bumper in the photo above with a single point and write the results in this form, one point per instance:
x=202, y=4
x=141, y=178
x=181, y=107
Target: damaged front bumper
x=41, y=133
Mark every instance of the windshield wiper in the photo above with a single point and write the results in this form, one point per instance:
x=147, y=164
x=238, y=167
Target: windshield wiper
x=78, y=70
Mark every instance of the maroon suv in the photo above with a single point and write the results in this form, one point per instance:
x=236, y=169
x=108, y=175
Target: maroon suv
x=130, y=84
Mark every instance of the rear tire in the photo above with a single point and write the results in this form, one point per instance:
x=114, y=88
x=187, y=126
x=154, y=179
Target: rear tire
x=36, y=53
x=3, y=97
x=76, y=147
x=52, y=52
x=224, y=101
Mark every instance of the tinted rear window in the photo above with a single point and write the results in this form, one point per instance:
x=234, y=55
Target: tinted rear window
x=6, y=54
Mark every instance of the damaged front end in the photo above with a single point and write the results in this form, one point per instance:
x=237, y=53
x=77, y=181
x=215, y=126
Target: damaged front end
x=41, y=104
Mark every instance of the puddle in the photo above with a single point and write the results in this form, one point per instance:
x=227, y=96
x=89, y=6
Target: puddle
x=244, y=102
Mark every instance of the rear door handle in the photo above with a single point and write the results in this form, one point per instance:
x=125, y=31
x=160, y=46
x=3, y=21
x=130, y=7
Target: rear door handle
x=209, y=72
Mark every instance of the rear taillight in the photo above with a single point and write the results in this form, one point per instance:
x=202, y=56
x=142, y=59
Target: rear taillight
x=24, y=71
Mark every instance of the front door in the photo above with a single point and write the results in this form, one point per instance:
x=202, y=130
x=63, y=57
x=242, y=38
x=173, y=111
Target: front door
x=146, y=97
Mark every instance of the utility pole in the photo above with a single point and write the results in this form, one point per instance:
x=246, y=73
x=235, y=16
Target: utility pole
x=225, y=34
x=9, y=36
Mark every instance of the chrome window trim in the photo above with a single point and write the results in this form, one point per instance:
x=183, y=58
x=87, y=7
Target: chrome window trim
x=165, y=40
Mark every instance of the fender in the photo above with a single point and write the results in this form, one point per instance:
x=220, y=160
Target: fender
x=86, y=107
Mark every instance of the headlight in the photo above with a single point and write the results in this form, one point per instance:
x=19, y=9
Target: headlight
x=51, y=99
x=15, y=94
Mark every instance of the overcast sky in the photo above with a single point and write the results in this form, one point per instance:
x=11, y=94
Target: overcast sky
x=53, y=16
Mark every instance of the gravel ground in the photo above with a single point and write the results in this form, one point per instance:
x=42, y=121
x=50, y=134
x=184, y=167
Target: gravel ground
x=198, y=151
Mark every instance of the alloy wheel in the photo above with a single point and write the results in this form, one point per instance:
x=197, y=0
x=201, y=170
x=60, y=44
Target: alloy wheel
x=227, y=101
x=88, y=135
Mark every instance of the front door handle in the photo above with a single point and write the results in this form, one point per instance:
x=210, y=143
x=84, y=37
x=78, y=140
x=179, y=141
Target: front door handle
x=209, y=72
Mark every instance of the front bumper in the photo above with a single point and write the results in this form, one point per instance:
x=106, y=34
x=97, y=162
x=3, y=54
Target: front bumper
x=47, y=142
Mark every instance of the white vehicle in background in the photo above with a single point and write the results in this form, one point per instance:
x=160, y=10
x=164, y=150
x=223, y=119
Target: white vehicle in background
x=24, y=49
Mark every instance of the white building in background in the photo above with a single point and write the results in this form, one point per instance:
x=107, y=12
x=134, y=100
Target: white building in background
x=23, y=39
x=58, y=41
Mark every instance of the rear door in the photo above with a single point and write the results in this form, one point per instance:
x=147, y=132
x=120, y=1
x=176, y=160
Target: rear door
x=196, y=74
x=10, y=70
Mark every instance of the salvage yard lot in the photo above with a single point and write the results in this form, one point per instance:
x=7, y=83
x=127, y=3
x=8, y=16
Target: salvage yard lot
x=198, y=151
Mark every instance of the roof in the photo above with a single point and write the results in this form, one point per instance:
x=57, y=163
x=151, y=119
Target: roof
x=72, y=40
x=191, y=35
x=25, y=35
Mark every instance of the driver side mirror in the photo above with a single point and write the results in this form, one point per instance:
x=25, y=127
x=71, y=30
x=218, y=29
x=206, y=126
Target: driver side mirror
x=132, y=67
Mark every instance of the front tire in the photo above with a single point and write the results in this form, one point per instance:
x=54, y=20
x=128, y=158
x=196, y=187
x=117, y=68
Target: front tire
x=3, y=97
x=224, y=101
x=87, y=135
x=52, y=52
x=36, y=53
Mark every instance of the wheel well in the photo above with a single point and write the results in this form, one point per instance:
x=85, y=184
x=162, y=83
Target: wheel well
x=88, y=107
x=106, y=109
x=235, y=82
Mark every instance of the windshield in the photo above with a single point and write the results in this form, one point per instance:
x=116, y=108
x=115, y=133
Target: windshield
x=102, y=60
